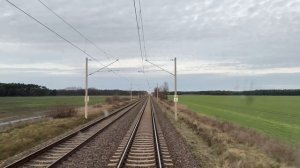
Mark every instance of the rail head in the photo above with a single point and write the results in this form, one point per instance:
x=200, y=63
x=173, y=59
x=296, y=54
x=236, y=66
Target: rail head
x=54, y=164
x=131, y=138
x=157, y=144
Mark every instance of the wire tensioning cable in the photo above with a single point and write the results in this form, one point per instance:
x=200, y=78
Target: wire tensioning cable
x=72, y=44
x=145, y=51
x=57, y=34
x=140, y=44
x=138, y=31
x=76, y=30
x=103, y=68
x=48, y=28
x=141, y=18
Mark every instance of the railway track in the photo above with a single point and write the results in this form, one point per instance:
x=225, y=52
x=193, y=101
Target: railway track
x=144, y=144
x=54, y=153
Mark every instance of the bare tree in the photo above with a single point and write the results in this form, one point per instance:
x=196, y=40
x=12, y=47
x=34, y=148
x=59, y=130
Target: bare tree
x=162, y=91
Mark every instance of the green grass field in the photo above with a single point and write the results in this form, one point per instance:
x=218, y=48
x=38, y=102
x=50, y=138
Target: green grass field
x=27, y=106
x=276, y=116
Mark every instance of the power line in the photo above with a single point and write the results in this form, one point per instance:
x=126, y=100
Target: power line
x=72, y=44
x=57, y=34
x=60, y=36
x=141, y=17
x=76, y=30
x=83, y=36
x=102, y=68
x=145, y=51
x=140, y=44
x=138, y=31
x=51, y=30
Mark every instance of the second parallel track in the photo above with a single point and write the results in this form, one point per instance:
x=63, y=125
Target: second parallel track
x=54, y=153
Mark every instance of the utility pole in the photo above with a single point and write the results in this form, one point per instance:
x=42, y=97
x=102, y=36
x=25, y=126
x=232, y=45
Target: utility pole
x=157, y=93
x=175, y=83
x=86, y=98
x=130, y=91
x=175, y=89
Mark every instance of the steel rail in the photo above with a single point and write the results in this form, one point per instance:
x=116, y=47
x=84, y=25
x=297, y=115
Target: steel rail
x=157, y=144
x=87, y=140
x=35, y=154
x=130, y=141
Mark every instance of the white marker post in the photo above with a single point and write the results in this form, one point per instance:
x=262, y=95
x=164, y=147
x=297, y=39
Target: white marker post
x=175, y=83
x=175, y=90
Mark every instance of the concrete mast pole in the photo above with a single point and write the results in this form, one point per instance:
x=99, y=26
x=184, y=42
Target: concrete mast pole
x=86, y=98
x=175, y=89
x=130, y=91
x=157, y=93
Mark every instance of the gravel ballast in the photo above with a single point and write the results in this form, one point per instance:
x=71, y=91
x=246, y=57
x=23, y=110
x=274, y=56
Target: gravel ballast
x=98, y=151
x=181, y=153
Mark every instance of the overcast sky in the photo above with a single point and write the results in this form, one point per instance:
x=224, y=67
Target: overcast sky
x=219, y=44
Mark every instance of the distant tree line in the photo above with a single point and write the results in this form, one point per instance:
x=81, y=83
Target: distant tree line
x=20, y=89
x=93, y=92
x=271, y=92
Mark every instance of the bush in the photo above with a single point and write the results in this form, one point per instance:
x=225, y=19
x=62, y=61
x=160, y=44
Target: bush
x=112, y=99
x=116, y=98
x=97, y=106
x=109, y=100
x=62, y=112
x=125, y=99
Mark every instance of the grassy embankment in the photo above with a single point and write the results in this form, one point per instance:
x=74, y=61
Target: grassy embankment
x=28, y=106
x=219, y=143
x=16, y=140
x=276, y=116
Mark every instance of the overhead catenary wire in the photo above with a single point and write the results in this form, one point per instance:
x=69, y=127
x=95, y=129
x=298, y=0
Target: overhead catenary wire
x=102, y=68
x=66, y=40
x=51, y=30
x=57, y=34
x=138, y=31
x=107, y=55
x=91, y=42
x=139, y=37
x=142, y=25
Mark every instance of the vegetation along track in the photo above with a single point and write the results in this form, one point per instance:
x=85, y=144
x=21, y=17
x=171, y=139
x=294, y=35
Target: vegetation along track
x=59, y=150
x=144, y=144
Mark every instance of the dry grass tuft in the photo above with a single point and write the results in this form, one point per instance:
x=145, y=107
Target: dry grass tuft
x=114, y=99
x=223, y=135
x=62, y=112
x=97, y=106
x=16, y=140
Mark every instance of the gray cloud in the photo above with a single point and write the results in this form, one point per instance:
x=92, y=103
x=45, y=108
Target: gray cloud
x=223, y=37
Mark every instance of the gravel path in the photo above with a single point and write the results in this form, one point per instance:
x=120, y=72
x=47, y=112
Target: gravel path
x=181, y=153
x=98, y=151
